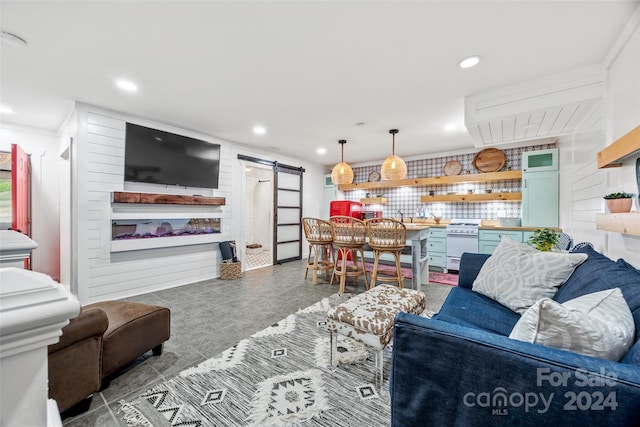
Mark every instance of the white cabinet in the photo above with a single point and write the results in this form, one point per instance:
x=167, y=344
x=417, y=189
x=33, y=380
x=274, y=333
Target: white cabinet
x=540, y=191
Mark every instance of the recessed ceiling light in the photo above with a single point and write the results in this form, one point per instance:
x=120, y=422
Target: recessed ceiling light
x=127, y=85
x=450, y=127
x=248, y=168
x=12, y=39
x=6, y=110
x=321, y=150
x=531, y=126
x=469, y=62
x=259, y=130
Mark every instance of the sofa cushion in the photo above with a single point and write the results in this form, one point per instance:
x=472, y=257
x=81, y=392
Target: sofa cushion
x=598, y=325
x=518, y=275
x=586, y=277
x=468, y=308
x=633, y=356
x=617, y=274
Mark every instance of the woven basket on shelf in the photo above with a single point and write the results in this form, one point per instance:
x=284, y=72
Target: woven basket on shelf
x=230, y=270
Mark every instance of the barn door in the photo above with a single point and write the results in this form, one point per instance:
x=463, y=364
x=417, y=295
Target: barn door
x=20, y=220
x=288, y=216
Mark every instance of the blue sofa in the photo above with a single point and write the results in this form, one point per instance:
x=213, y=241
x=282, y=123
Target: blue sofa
x=461, y=369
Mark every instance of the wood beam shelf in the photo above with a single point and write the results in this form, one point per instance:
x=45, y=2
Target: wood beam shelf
x=438, y=180
x=486, y=197
x=627, y=145
x=374, y=201
x=166, y=199
x=626, y=223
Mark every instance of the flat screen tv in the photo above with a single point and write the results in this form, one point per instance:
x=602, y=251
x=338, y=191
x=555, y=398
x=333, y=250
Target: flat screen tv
x=159, y=157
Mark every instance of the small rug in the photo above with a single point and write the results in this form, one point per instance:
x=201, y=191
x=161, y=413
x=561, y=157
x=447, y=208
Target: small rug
x=385, y=269
x=435, y=277
x=280, y=376
x=444, y=278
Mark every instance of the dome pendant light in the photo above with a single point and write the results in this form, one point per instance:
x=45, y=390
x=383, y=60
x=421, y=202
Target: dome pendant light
x=342, y=172
x=393, y=166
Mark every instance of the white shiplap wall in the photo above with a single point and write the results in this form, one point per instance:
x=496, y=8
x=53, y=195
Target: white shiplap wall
x=100, y=171
x=583, y=184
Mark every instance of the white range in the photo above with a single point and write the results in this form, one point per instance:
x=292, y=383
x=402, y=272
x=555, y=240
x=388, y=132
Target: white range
x=462, y=236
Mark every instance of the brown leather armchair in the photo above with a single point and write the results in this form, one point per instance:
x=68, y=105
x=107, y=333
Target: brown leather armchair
x=75, y=361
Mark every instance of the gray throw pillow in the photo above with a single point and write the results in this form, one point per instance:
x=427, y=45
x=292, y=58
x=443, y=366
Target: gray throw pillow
x=517, y=275
x=598, y=324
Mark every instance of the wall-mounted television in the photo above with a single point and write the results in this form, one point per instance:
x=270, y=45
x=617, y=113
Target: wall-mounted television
x=159, y=157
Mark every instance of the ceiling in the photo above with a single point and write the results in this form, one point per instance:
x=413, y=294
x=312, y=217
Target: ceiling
x=311, y=72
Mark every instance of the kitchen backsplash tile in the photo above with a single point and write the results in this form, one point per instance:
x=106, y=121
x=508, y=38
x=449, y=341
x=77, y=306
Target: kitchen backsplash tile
x=407, y=199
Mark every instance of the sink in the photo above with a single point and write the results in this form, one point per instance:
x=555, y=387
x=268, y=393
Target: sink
x=414, y=225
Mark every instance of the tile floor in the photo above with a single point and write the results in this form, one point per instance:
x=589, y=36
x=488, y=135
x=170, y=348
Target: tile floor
x=209, y=317
x=257, y=259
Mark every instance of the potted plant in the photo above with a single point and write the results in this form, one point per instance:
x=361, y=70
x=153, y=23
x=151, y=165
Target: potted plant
x=619, y=202
x=544, y=239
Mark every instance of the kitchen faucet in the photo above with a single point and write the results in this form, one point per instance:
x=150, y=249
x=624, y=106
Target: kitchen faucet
x=401, y=215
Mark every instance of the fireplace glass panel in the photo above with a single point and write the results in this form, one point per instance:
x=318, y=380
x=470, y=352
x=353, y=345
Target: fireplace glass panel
x=125, y=229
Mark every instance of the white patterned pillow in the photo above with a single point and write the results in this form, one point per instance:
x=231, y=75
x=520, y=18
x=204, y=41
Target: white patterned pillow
x=598, y=324
x=517, y=275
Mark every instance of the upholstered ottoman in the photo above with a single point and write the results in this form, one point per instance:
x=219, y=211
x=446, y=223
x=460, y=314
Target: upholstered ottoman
x=133, y=330
x=368, y=318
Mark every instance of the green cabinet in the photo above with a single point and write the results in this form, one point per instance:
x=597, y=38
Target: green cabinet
x=437, y=247
x=488, y=240
x=540, y=190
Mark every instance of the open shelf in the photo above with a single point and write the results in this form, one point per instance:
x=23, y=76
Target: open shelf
x=438, y=180
x=627, y=145
x=626, y=223
x=166, y=199
x=468, y=198
x=374, y=201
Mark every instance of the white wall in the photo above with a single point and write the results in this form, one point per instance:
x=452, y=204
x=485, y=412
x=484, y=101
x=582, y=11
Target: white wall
x=622, y=113
x=582, y=184
x=98, y=159
x=42, y=147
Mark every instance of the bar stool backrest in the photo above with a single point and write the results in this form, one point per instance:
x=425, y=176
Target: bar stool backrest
x=348, y=230
x=317, y=230
x=386, y=233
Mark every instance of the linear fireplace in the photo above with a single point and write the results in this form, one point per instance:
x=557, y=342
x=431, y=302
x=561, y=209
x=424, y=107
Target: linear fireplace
x=127, y=229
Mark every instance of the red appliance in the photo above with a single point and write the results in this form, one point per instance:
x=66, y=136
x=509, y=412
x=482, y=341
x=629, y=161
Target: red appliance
x=345, y=208
x=371, y=214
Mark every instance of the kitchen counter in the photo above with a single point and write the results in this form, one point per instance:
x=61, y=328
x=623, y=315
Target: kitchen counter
x=511, y=228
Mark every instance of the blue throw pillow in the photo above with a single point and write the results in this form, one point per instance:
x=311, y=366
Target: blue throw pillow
x=586, y=277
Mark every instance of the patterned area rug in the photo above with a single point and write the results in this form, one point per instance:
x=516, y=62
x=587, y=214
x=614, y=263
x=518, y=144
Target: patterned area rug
x=280, y=376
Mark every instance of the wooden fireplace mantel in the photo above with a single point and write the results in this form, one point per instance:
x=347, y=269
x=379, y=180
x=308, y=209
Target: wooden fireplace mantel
x=166, y=199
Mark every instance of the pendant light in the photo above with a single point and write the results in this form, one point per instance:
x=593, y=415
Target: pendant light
x=342, y=172
x=393, y=166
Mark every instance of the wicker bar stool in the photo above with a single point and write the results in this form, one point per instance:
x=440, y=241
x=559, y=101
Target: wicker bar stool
x=319, y=234
x=390, y=236
x=349, y=236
